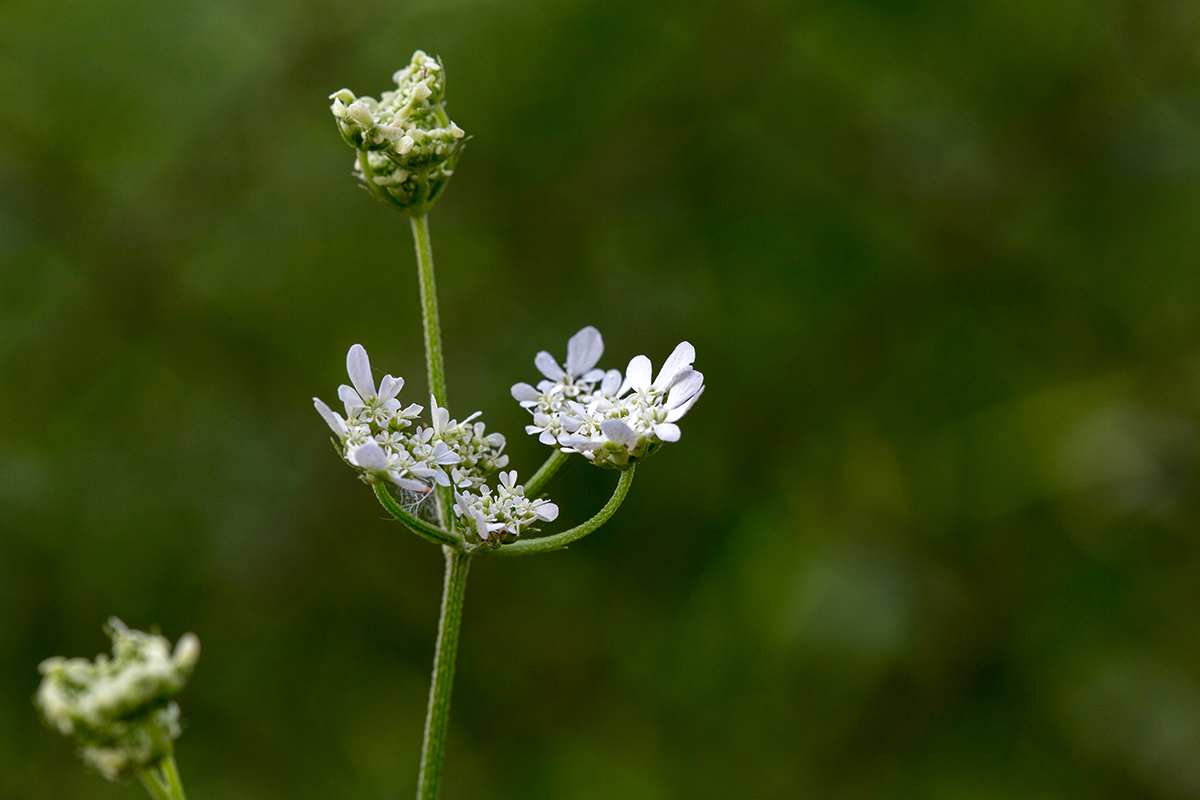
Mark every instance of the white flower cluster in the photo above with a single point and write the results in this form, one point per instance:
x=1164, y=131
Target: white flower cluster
x=611, y=421
x=375, y=437
x=503, y=515
x=412, y=145
x=378, y=437
x=120, y=710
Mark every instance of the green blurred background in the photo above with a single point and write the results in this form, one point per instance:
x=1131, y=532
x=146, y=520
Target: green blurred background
x=930, y=533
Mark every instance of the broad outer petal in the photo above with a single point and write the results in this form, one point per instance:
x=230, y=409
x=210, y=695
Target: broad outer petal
x=350, y=399
x=667, y=431
x=681, y=358
x=584, y=350
x=358, y=366
x=546, y=511
x=686, y=384
x=637, y=375
x=331, y=419
x=524, y=393
x=676, y=414
x=548, y=366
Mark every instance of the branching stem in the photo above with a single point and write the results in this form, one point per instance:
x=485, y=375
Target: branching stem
x=560, y=540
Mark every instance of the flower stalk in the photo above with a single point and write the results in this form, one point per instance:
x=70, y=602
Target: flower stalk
x=437, y=716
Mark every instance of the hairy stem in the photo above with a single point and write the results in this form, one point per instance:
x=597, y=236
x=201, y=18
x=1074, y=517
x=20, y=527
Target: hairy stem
x=545, y=473
x=433, y=336
x=560, y=540
x=436, y=718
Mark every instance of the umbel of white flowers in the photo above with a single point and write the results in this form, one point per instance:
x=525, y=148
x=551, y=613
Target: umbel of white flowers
x=120, y=710
x=408, y=147
x=610, y=421
x=378, y=438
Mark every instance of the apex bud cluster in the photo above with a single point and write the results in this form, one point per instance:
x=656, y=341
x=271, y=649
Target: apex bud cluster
x=407, y=145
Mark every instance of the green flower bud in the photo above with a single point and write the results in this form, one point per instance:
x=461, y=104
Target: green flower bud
x=407, y=146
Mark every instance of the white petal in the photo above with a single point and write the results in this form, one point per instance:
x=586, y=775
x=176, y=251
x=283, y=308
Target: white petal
x=617, y=431
x=440, y=478
x=524, y=393
x=546, y=438
x=370, y=457
x=637, y=375
x=548, y=366
x=407, y=483
x=442, y=454
x=584, y=350
x=546, y=511
x=611, y=383
x=686, y=384
x=350, y=399
x=681, y=358
x=389, y=387
x=358, y=366
x=667, y=431
x=335, y=422
x=593, y=376
x=676, y=414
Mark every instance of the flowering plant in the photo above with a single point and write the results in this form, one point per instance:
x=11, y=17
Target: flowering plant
x=406, y=150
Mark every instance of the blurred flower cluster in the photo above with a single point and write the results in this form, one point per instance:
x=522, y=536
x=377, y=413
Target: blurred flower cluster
x=120, y=710
x=612, y=422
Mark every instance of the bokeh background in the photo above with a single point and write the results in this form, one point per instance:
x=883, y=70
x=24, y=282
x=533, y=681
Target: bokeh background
x=930, y=533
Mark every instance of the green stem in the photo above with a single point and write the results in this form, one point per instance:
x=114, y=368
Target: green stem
x=417, y=525
x=429, y=309
x=453, y=592
x=560, y=540
x=545, y=473
x=153, y=785
x=433, y=337
x=172, y=774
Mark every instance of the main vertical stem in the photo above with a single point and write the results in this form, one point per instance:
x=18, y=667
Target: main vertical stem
x=455, y=587
x=429, y=309
x=453, y=592
x=433, y=338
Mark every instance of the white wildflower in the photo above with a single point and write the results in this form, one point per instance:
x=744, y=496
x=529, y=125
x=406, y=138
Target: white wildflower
x=611, y=421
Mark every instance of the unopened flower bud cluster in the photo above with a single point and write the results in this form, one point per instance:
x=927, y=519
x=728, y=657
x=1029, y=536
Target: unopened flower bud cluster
x=378, y=437
x=120, y=710
x=406, y=138
x=610, y=420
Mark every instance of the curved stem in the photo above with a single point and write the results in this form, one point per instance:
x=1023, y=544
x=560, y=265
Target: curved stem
x=545, y=473
x=420, y=527
x=560, y=540
x=453, y=592
x=172, y=774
